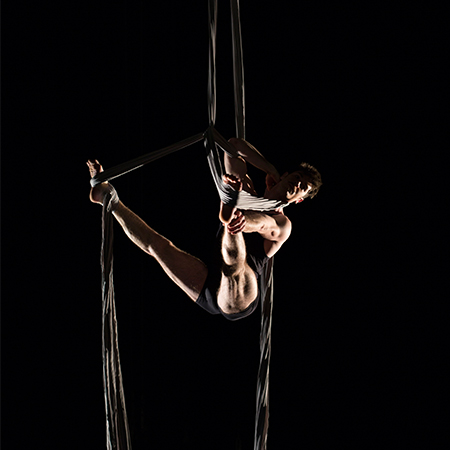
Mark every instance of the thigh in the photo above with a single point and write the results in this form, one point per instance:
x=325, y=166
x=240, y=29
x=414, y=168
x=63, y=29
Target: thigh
x=237, y=291
x=185, y=270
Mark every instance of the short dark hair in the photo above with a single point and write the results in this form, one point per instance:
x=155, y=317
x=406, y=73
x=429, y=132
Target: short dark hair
x=312, y=176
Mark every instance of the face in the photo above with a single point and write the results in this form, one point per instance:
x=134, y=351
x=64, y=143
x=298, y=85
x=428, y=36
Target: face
x=295, y=186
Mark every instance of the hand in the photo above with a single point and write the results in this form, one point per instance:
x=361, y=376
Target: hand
x=234, y=181
x=237, y=224
x=227, y=212
x=272, y=178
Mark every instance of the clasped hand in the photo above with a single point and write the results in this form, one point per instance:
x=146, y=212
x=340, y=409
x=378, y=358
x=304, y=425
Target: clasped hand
x=237, y=223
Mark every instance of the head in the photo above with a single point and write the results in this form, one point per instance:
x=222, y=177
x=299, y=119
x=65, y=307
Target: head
x=302, y=182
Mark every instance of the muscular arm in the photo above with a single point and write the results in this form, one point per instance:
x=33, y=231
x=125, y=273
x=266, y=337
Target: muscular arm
x=238, y=166
x=252, y=155
x=274, y=229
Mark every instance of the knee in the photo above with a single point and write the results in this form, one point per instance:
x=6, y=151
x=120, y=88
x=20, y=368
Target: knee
x=232, y=271
x=233, y=260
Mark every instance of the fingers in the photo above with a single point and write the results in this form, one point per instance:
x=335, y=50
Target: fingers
x=94, y=167
x=232, y=180
x=237, y=224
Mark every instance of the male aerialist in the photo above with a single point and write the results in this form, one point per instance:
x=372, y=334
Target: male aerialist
x=227, y=284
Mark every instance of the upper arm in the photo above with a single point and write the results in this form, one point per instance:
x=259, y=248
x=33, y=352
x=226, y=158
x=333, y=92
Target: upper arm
x=235, y=166
x=238, y=168
x=276, y=234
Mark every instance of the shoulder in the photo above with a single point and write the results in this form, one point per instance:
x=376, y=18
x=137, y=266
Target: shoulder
x=279, y=235
x=283, y=222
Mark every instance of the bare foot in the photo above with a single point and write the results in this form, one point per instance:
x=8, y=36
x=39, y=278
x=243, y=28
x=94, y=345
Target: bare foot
x=227, y=211
x=98, y=192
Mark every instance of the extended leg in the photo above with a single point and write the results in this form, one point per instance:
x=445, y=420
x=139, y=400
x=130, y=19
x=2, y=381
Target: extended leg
x=187, y=271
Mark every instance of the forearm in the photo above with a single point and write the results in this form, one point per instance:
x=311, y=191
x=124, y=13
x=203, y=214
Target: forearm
x=252, y=155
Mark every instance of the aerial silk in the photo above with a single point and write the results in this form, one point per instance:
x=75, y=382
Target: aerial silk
x=117, y=430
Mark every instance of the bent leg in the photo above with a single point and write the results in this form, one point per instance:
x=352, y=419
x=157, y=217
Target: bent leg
x=238, y=287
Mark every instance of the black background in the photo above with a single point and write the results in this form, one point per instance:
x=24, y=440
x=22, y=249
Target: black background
x=354, y=363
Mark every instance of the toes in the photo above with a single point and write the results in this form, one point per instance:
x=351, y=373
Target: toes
x=94, y=167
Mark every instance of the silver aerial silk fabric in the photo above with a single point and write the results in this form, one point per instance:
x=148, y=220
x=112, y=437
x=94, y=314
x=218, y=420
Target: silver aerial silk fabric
x=117, y=431
x=118, y=435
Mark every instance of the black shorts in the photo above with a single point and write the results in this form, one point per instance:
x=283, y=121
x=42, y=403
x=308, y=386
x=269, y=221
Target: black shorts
x=256, y=259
